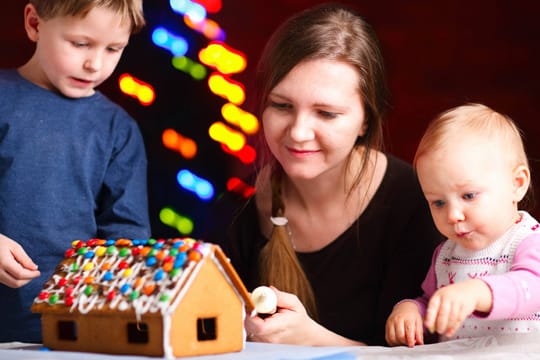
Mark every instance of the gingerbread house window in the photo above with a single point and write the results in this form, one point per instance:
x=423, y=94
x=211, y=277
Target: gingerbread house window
x=137, y=333
x=67, y=330
x=206, y=329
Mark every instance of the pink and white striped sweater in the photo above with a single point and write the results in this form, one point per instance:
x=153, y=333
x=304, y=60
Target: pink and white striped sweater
x=510, y=267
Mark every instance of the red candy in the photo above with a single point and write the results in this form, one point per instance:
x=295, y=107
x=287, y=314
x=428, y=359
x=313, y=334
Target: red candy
x=69, y=253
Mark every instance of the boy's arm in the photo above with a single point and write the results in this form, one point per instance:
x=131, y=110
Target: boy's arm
x=123, y=203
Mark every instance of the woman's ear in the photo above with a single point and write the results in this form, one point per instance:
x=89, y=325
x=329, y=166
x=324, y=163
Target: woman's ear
x=521, y=179
x=31, y=22
x=363, y=129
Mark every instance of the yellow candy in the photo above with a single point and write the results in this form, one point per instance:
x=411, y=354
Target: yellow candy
x=88, y=266
x=100, y=250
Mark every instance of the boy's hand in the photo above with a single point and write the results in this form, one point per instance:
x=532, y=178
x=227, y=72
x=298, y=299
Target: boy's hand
x=16, y=267
x=404, y=325
x=450, y=305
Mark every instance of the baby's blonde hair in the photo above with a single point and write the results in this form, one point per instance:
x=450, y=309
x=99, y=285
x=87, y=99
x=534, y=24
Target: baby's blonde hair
x=130, y=10
x=478, y=119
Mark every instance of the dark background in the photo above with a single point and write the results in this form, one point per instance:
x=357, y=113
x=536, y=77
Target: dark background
x=439, y=54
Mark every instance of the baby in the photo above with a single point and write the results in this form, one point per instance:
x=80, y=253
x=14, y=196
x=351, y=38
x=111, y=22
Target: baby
x=485, y=279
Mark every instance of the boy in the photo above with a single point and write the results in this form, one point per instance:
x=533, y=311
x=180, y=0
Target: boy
x=72, y=163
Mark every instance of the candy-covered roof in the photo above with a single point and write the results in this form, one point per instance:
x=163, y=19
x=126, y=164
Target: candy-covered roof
x=142, y=275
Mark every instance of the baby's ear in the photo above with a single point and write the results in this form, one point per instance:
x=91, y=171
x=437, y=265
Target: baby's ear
x=31, y=22
x=521, y=180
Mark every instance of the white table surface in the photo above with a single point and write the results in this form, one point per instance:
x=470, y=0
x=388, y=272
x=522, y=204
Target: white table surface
x=507, y=347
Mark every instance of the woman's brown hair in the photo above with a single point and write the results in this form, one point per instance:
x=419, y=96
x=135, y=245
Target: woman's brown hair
x=330, y=32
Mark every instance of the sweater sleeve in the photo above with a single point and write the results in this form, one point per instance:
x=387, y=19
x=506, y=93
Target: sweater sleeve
x=517, y=292
x=123, y=203
x=429, y=286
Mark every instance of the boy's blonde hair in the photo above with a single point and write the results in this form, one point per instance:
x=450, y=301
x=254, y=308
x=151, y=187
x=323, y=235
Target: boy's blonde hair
x=130, y=10
x=478, y=119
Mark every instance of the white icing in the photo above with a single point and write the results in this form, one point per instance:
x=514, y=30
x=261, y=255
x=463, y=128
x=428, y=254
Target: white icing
x=167, y=286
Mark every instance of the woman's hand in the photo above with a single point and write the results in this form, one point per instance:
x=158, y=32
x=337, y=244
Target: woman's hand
x=291, y=325
x=16, y=267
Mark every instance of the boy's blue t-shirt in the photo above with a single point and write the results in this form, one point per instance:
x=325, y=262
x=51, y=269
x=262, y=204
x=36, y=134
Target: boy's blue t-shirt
x=69, y=169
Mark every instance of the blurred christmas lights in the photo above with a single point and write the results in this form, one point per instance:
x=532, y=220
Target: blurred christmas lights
x=137, y=89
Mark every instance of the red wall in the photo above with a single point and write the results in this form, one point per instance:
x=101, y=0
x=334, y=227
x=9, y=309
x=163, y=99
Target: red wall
x=439, y=54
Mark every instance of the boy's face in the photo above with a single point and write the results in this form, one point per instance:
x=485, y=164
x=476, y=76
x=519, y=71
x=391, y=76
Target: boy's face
x=74, y=55
x=472, y=190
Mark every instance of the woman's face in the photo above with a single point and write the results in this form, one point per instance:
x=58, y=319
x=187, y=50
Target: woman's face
x=313, y=117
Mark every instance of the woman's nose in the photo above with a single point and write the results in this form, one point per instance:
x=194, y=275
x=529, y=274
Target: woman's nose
x=301, y=128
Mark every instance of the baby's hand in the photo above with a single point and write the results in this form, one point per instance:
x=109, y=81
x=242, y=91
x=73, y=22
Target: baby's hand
x=404, y=325
x=450, y=305
x=16, y=267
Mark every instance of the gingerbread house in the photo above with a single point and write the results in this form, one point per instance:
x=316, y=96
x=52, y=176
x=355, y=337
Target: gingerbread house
x=164, y=297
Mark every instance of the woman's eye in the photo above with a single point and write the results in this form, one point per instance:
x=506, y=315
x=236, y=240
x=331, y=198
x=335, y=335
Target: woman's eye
x=280, y=106
x=469, y=196
x=437, y=203
x=328, y=114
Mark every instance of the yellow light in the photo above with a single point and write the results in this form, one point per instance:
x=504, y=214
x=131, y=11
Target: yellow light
x=226, y=88
x=223, y=58
x=223, y=134
x=138, y=89
x=241, y=118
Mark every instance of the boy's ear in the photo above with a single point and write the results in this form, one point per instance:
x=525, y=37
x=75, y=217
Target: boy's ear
x=31, y=22
x=521, y=181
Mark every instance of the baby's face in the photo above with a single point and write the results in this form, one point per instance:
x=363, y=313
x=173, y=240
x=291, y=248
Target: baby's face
x=76, y=54
x=469, y=186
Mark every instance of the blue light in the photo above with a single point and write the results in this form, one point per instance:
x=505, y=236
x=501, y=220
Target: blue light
x=180, y=6
x=196, y=12
x=177, y=45
x=201, y=187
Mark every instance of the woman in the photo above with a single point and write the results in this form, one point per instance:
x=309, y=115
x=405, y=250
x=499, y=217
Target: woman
x=340, y=229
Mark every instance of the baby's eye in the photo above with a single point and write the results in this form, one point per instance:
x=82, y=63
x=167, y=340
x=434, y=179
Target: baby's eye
x=469, y=196
x=437, y=203
x=79, y=44
x=114, y=49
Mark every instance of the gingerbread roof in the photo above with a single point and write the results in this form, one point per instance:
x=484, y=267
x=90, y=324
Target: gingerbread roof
x=146, y=276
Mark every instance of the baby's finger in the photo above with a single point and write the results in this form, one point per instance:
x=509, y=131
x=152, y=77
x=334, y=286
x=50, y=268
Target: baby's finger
x=441, y=322
x=410, y=334
x=431, y=313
